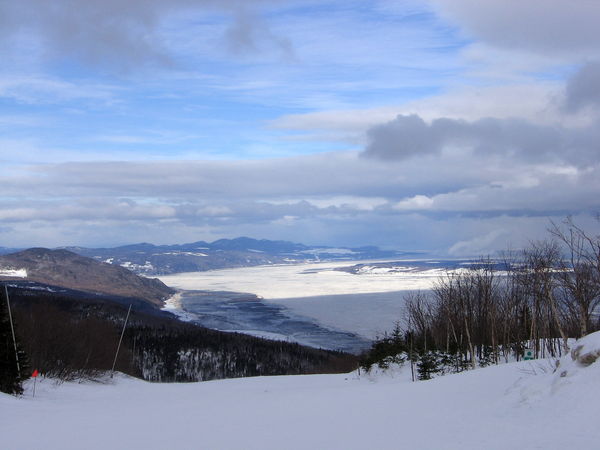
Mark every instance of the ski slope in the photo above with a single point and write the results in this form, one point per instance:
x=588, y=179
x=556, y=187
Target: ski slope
x=525, y=405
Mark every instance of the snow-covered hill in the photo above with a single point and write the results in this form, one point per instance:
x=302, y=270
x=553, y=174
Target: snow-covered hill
x=524, y=405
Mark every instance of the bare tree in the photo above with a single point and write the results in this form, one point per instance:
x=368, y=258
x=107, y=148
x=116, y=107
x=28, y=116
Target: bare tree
x=579, y=272
x=542, y=261
x=538, y=297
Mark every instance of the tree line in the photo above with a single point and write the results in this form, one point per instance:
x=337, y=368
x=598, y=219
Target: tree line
x=68, y=338
x=535, y=299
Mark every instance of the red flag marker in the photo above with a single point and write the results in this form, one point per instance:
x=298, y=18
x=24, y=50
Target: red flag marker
x=34, y=375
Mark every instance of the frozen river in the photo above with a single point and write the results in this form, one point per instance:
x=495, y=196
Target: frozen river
x=310, y=280
x=303, y=302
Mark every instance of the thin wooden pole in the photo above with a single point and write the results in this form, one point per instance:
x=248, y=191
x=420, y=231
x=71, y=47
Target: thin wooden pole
x=112, y=371
x=412, y=363
x=12, y=329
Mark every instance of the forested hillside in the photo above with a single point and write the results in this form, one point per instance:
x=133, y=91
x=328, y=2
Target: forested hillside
x=71, y=337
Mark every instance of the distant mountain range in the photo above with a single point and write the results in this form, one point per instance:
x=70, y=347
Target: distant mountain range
x=149, y=259
x=7, y=250
x=115, y=271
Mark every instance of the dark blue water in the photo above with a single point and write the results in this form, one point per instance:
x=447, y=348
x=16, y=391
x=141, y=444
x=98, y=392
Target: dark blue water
x=232, y=311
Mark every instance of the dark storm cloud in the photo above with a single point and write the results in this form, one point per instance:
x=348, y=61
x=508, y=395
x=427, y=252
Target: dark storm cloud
x=410, y=136
x=583, y=89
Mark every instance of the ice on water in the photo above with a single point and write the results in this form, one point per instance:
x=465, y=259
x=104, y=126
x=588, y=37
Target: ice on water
x=368, y=303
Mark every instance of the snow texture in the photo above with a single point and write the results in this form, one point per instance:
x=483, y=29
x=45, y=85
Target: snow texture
x=17, y=273
x=173, y=305
x=525, y=405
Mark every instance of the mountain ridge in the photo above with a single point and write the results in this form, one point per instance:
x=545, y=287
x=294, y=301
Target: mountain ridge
x=61, y=267
x=150, y=259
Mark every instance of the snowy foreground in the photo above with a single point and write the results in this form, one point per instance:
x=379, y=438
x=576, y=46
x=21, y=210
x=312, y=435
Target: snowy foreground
x=515, y=406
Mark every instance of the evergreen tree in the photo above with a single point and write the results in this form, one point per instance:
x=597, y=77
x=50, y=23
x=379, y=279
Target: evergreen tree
x=428, y=365
x=389, y=349
x=11, y=375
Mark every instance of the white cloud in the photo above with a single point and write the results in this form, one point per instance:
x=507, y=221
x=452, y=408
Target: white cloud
x=550, y=27
x=41, y=89
x=540, y=102
x=418, y=202
x=120, y=210
x=479, y=245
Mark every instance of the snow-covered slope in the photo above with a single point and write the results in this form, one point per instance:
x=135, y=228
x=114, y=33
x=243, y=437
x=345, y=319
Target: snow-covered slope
x=522, y=405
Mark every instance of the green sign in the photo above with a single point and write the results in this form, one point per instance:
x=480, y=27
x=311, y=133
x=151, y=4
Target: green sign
x=528, y=354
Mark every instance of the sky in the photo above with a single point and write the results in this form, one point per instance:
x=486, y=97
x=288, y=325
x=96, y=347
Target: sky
x=456, y=127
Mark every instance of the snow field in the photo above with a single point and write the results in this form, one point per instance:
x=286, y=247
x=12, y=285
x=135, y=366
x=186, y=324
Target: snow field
x=521, y=405
x=17, y=273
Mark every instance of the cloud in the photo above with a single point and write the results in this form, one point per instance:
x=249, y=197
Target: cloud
x=550, y=27
x=479, y=245
x=249, y=32
x=280, y=179
x=528, y=191
x=460, y=150
x=326, y=175
x=342, y=184
x=431, y=203
x=418, y=202
x=91, y=209
x=404, y=137
x=538, y=102
x=115, y=34
x=583, y=88
x=410, y=136
x=41, y=90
